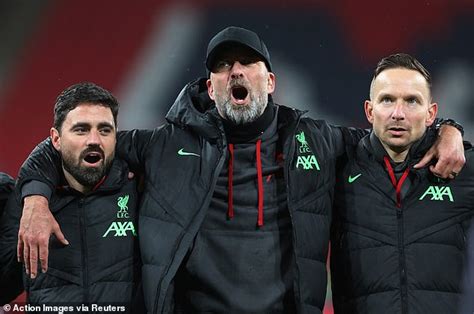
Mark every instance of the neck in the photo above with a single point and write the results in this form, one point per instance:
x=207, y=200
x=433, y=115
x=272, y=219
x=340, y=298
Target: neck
x=241, y=133
x=75, y=184
x=396, y=156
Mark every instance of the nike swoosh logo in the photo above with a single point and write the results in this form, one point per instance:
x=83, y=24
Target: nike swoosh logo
x=181, y=152
x=352, y=179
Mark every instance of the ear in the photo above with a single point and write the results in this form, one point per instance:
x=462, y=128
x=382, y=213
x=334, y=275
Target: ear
x=369, y=111
x=271, y=82
x=55, y=138
x=432, y=113
x=210, y=88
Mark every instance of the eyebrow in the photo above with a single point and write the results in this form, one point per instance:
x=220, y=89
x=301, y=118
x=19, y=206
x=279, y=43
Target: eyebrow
x=88, y=125
x=81, y=124
x=411, y=95
x=105, y=124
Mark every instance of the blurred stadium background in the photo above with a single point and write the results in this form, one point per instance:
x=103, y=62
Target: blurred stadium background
x=323, y=53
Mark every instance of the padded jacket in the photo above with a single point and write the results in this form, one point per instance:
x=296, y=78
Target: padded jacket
x=398, y=250
x=101, y=264
x=182, y=161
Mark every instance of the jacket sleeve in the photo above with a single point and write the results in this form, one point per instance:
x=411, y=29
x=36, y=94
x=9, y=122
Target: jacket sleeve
x=11, y=272
x=41, y=171
x=346, y=137
x=42, y=165
x=133, y=146
x=343, y=137
x=6, y=187
x=340, y=138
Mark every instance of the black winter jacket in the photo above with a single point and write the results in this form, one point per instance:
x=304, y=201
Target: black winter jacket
x=6, y=187
x=398, y=256
x=101, y=264
x=182, y=161
x=179, y=189
x=7, y=293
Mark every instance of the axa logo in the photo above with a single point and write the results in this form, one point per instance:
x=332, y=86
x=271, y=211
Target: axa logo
x=120, y=229
x=438, y=193
x=122, y=202
x=306, y=162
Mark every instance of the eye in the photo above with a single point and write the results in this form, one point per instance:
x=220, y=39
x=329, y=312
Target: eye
x=222, y=65
x=386, y=100
x=412, y=101
x=80, y=130
x=247, y=60
x=105, y=131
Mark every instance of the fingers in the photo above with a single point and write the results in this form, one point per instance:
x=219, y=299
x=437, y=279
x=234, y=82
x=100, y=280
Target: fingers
x=448, y=168
x=445, y=170
x=425, y=160
x=442, y=168
x=59, y=234
x=19, y=249
x=36, y=226
x=43, y=247
x=33, y=261
x=43, y=257
x=26, y=258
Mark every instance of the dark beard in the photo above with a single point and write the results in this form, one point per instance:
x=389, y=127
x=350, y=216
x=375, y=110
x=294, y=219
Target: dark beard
x=86, y=176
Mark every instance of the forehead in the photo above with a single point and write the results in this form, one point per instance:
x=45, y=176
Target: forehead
x=401, y=81
x=91, y=114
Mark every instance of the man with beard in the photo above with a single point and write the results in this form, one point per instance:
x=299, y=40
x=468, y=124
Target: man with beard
x=238, y=191
x=398, y=242
x=95, y=203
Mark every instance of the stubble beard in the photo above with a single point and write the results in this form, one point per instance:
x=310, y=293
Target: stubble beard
x=241, y=114
x=86, y=176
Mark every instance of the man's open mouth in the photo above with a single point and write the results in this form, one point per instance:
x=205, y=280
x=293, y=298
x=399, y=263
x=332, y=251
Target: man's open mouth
x=93, y=157
x=239, y=93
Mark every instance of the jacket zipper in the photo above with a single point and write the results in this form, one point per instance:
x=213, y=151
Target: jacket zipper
x=402, y=264
x=85, y=274
x=220, y=163
x=287, y=165
x=397, y=184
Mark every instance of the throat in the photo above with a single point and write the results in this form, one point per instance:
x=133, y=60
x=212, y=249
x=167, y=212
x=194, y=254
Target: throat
x=73, y=183
x=397, y=156
x=246, y=132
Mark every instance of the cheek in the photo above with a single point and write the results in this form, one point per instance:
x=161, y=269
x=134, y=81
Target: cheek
x=219, y=84
x=420, y=126
x=109, y=144
x=70, y=145
x=380, y=115
x=69, y=153
x=261, y=82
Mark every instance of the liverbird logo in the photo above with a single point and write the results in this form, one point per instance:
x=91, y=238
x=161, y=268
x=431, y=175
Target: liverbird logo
x=122, y=202
x=304, y=148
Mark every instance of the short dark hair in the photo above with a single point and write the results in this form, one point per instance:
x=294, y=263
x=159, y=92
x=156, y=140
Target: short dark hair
x=404, y=61
x=84, y=92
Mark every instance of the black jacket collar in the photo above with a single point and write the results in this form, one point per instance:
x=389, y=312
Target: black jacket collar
x=374, y=148
x=241, y=133
x=195, y=110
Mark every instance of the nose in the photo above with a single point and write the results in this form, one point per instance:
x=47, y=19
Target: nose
x=398, y=111
x=93, y=138
x=237, y=70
